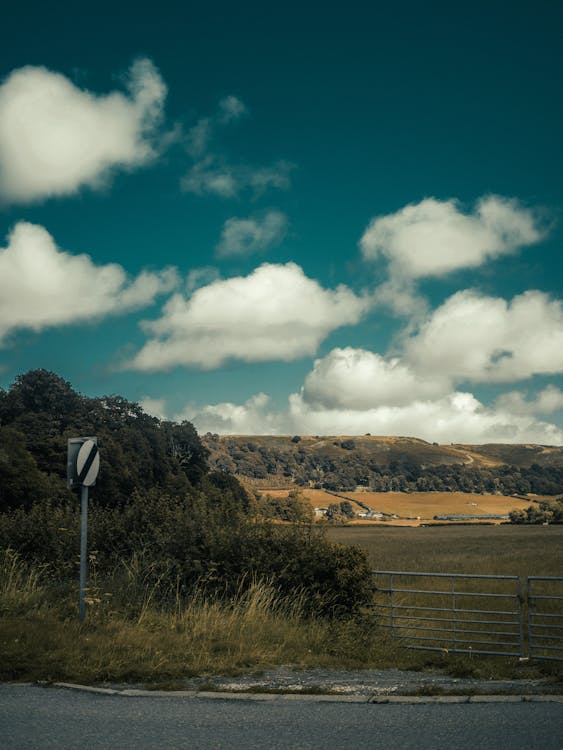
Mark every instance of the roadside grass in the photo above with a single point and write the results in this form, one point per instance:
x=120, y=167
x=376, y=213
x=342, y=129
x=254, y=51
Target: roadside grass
x=136, y=639
x=131, y=637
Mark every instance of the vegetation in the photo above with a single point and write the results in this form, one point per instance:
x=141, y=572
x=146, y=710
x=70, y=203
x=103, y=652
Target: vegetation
x=132, y=633
x=542, y=513
x=388, y=464
x=294, y=507
x=189, y=572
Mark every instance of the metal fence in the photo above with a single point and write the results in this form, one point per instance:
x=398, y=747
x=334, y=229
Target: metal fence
x=452, y=612
x=545, y=617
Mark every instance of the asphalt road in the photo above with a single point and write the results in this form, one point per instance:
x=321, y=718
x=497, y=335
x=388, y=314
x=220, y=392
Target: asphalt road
x=36, y=718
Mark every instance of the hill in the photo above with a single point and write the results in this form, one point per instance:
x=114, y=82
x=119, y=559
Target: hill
x=383, y=464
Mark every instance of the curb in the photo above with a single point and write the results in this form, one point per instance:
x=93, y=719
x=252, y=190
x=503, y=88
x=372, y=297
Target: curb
x=329, y=698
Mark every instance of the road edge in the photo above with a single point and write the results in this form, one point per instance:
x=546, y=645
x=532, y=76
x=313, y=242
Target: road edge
x=318, y=698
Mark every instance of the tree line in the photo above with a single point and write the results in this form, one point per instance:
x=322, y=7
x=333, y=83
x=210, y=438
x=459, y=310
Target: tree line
x=350, y=469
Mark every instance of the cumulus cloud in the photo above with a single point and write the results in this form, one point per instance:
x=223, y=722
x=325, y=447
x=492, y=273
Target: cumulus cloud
x=434, y=238
x=473, y=337
x=56, y=138
x=354, y=391
x=358, y=379
x=275, y=313
x=42, y=286
x=457, y=417
x=338, y=397
x=250, y=418
x=252, y=235
x=547, y=401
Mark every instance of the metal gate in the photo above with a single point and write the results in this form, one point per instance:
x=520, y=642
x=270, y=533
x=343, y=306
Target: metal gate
x=452, y=612
x=545, y=617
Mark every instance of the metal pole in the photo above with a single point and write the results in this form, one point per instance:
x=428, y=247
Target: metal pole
x=530, y=605
x=83, y=551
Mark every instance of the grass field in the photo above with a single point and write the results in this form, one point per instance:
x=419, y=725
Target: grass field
x=425, y=505
x=490, y=550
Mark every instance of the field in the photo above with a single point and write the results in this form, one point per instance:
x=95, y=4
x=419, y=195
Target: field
x=490, y=550
x=418, y=507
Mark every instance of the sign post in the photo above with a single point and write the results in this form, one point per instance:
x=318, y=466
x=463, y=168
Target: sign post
x=83, y=464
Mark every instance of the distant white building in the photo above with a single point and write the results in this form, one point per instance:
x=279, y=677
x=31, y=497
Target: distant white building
x=373, y=515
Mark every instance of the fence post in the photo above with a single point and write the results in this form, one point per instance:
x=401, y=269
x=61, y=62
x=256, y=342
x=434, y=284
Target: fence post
x=392, y=587
x=530, y=631
x=454, y=624
x=521, y=616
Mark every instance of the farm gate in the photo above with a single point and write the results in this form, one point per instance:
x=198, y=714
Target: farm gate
x=472, y=614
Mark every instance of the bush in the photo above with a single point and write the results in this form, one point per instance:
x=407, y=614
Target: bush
x=193, y=541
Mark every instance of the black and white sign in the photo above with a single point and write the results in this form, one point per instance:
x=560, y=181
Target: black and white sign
x=87, y=463
x=83, y=462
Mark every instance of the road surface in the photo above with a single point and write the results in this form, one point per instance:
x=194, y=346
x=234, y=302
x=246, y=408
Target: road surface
x=33, y=718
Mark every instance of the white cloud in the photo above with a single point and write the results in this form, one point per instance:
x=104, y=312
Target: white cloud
x=434, y=238
x=358, y=379
x=248, y=236
x=213, y=176
x=353, y=391
x=56, y=138
x=547, y=401
x=250, y=418
x=275, y=313
x=458, y=417
x=41, y=286
x=486, y=339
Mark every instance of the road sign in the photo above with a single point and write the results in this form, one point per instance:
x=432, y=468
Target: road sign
x=75, y=445
x=82, y=466
x=87, y=463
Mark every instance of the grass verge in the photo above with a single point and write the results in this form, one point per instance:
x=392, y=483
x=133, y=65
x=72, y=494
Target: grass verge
x=129, y=637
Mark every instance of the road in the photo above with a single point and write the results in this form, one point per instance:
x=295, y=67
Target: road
x=33, y=718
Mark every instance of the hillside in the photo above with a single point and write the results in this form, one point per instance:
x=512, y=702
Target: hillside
x=383, y=464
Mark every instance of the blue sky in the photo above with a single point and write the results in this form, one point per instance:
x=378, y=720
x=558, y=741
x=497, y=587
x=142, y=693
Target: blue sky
x=289, y=219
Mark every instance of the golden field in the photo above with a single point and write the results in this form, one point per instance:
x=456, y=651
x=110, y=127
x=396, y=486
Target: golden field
x=410, y=506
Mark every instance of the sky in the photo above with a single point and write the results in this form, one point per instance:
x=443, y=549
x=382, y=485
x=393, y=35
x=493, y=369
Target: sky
x=289, y=218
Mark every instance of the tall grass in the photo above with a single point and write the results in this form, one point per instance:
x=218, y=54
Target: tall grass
x=140, y=631
x=135, y=632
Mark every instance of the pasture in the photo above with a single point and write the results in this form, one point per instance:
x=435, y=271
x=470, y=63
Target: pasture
x=489, y=550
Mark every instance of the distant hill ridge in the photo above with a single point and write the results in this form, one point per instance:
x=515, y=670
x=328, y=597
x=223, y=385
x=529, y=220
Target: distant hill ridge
x=387, y=463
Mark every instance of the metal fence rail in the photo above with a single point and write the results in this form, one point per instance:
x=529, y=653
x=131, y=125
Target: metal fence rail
x=461, y=613
x=545, y=617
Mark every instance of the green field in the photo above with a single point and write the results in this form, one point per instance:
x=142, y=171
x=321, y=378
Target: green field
x=490, y=550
